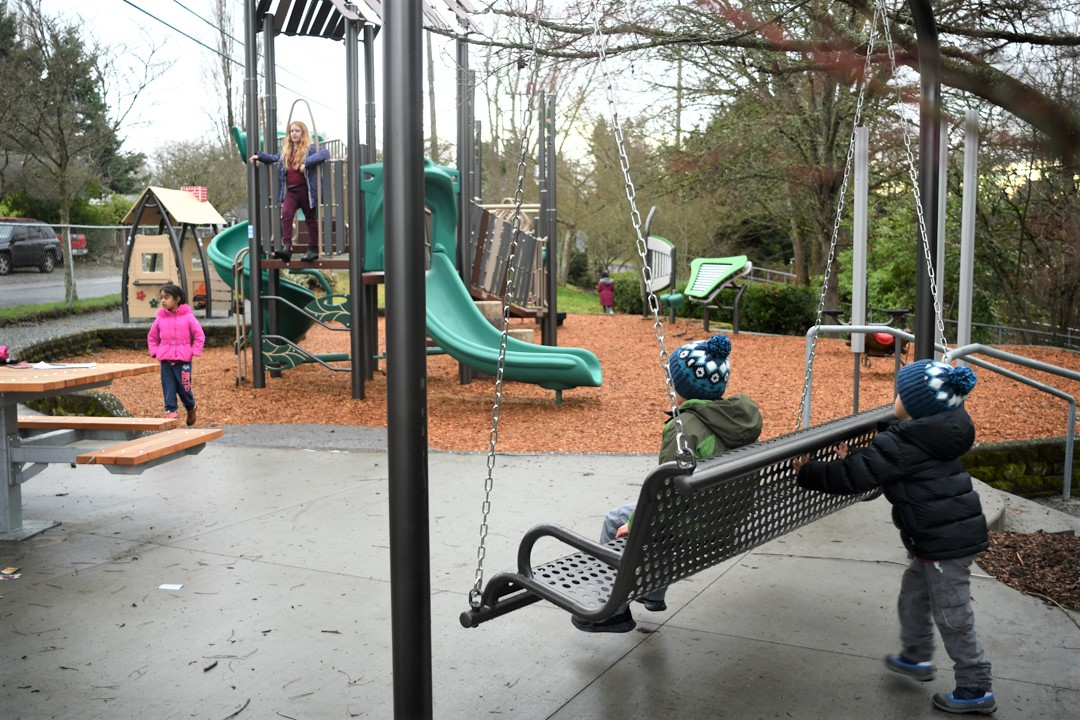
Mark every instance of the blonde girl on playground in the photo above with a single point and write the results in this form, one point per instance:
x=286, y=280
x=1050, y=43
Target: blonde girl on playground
x=297, y=189
x=174, y=339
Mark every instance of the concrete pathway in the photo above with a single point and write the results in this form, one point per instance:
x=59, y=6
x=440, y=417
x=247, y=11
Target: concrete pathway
x=283, y=609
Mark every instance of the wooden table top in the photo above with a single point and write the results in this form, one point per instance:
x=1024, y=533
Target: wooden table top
x=14, y=379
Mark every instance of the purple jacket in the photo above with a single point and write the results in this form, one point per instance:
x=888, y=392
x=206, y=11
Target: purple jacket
x=313, y=158
x=175, y=336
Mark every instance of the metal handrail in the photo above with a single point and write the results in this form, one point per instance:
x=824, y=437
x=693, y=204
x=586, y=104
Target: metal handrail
x=965, y=352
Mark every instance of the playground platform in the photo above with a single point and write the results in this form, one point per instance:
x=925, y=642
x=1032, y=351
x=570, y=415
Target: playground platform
x=252, y=581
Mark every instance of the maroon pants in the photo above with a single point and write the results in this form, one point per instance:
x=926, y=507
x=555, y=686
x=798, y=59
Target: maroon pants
x=296, y=198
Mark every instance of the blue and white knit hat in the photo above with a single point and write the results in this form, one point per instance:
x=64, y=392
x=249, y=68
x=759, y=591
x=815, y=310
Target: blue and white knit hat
x=699, y=371
x=927, y=387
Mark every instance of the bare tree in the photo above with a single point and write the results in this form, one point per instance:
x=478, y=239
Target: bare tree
x=59, y=118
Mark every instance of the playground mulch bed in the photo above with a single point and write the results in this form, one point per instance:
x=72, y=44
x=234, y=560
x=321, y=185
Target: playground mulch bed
x=626, y=414
x=1043, y=565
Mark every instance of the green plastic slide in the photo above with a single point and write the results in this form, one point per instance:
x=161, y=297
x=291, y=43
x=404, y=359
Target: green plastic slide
x=708, y=276
x=222, y=251
x=466, y=335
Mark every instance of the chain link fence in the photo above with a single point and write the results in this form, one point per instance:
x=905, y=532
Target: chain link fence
x=95, y=270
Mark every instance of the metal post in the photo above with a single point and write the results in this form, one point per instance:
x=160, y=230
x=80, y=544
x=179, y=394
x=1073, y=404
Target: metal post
x=251, y=90
x=403, y=162
x=943, y=191
x=929, y=151
x=465, y=101
x=371, y=323
x=550, y=330
x=967, y=227
x=358, y=339
x=273, y=284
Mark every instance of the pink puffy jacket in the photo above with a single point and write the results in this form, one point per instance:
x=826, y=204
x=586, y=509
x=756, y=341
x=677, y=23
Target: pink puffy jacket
x=176, y=336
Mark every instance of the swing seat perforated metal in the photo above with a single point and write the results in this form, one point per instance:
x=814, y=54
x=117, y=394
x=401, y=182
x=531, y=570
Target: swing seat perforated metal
x=684, y=523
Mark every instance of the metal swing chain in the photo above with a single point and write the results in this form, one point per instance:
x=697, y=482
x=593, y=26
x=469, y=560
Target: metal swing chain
x=841, y=201
x=913, y=175
x=476, y=593
x=683, y=454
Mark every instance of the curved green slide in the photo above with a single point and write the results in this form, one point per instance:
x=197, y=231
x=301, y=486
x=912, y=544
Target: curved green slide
x=467, y=336
x=222, y=251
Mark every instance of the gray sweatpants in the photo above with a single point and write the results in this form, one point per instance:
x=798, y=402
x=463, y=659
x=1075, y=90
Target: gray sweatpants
x=615, y=519
x=938, y=592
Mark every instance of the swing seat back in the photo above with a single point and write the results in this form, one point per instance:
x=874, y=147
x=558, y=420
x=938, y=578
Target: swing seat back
x=684, y=523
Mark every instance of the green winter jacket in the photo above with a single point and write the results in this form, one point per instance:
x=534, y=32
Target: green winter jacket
x=712, y=427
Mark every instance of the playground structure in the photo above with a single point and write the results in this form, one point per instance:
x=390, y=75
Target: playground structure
x=352, y=224
x=175, y=255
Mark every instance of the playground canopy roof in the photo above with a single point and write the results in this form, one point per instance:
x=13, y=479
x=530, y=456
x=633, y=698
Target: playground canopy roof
x=326, y=18
x=181, y=206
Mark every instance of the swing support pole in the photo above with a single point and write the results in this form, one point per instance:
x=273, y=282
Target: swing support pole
x=929, y=179
x=406, y=388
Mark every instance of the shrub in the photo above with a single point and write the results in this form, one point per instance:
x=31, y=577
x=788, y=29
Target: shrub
x=778, y=309
x=627, y=292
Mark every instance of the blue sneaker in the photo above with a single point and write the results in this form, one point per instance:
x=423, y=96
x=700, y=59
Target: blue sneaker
x=966, y=700
x=921, y=671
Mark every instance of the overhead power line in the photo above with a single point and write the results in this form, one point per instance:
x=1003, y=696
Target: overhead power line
x=215, y=50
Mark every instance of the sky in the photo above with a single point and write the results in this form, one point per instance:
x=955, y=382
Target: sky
x=176, y=107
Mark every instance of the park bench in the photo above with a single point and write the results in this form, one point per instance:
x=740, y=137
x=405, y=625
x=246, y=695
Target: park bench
x=87, y=423
x=134, y=456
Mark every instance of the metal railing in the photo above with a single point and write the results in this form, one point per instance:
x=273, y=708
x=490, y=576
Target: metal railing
x=965, y=353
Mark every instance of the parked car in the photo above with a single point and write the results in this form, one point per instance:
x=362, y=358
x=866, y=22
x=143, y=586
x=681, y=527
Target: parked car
x=25, y=242
x=78, y=245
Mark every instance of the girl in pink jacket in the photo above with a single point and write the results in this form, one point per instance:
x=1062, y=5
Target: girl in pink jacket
x=175, y=338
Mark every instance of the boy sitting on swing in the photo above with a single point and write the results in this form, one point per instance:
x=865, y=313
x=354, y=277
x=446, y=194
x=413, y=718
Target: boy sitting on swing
x=712, y=424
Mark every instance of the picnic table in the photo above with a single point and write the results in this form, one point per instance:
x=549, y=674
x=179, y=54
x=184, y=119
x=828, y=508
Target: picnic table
x=28, y=446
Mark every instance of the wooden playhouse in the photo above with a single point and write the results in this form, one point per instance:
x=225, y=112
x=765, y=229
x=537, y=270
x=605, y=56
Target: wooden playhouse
x=185, y=222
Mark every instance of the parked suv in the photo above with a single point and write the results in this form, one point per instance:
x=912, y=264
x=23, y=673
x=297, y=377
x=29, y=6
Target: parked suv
x=25, y=242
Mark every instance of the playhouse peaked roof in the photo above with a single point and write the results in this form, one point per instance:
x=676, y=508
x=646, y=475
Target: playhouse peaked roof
x=181, y=206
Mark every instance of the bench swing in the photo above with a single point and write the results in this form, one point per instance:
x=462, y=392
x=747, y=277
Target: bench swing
x=691, y=515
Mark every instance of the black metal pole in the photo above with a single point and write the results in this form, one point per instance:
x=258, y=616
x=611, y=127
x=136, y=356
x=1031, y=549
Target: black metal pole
x=371, y=323
x=270, y=236
x=406, y=367
x=251, y=90
x=929, y=179
x=465, y=175
x=358, y=337
x=551, y=319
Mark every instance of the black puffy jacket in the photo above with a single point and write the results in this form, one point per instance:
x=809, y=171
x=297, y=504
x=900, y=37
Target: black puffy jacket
x=918, y=463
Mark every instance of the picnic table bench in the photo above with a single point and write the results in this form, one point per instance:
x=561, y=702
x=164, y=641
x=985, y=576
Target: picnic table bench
x=30, y=443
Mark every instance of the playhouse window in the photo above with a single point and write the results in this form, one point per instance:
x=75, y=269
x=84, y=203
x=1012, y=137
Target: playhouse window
x=153, y=262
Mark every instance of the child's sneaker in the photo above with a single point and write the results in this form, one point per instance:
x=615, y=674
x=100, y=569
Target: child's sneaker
x=191, y=416
x=921, y=671
x=170, y=416
x=621, y=623
x=966, y=700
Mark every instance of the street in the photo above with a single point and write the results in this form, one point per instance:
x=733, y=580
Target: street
x=30, y=287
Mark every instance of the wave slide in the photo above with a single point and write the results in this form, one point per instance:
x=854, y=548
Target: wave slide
x=452, y=321
x=467, y=336
x=222, y=251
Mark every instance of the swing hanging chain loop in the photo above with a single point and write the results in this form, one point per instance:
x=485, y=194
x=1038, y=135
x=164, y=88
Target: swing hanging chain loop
x=683, y=454
x=840, y=203
x=476, y=593
x=914, y=176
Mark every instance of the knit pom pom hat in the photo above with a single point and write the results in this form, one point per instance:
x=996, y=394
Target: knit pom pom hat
x=927, y=387
x=699, y=371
